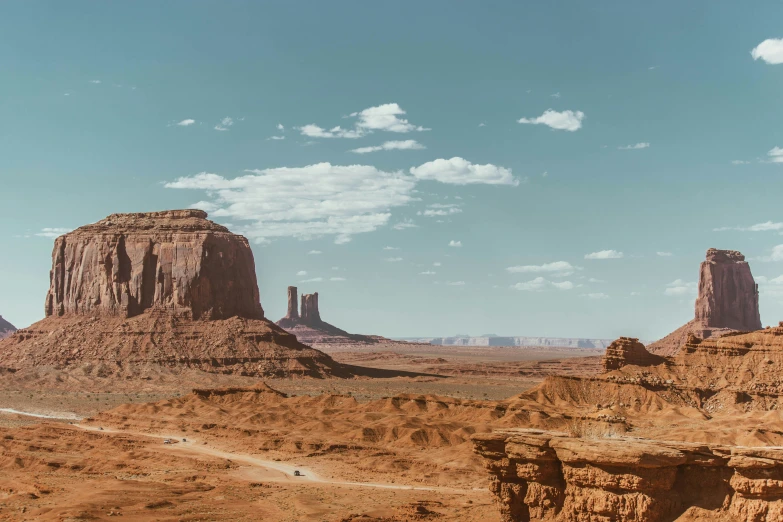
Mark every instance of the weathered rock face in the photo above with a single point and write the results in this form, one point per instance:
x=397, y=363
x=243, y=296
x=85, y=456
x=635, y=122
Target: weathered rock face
x=6, y=328
x=293, y=304
x=178, y=260
x=628, y=350
x=548, y=476
x=728, y=301
x=171, y=289
x=310, y=314
x=728, y=294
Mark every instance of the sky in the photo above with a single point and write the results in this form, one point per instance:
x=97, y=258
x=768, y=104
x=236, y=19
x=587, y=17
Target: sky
x=430, y=168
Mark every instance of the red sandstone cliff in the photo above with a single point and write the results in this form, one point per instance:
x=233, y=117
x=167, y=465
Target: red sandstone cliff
x=728, y=301
x=167, y=288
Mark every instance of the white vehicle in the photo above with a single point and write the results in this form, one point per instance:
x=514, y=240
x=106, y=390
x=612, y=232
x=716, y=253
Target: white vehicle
x=166, y=441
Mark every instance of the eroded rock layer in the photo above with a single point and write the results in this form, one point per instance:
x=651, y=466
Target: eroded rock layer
x=6, y=328
x=546, y=476
x=166, y=288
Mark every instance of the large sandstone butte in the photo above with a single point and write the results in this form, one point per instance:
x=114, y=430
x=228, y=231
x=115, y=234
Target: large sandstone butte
x=728, y=301
x=310, y=329
x=165, y=288
x=6, y=328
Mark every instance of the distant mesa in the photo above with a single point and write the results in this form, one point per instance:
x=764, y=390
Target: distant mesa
x=6, y=328
x=164, y=288
x=309, y=328
x=728, y=301
x=498, y=340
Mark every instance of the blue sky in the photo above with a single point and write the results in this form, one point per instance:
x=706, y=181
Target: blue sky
x=528, y=135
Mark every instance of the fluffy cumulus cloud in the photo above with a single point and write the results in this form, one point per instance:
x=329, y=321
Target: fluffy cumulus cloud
x=775, y=155
x=53, y=232
x=605, y=254
x=641, y=145
x=306, y=202
x=566, y=120
x=770, y=51
x=186, y=123
x=539, y=284
x=775, y=255
x=386, y=118
x=556, y=268
x=391, y=145
x=678, y=287
x=455, y=244
x=767, y=226
x=459, y=171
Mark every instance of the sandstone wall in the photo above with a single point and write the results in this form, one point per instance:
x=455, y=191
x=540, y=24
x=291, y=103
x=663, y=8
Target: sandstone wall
x=728, y=294
x=548, y=476
x=626, y=351
x=129, y=263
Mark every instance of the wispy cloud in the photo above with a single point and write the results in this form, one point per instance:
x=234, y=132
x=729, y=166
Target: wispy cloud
x=224, y=124
x=437, y=263
x=302, y=273
x=596, y=295
x=314, y=252
x=391, y=145
x=769, y=51
x=280, y=127
x=402, y=225
x=775, y=255
x=53, y=232
x=390, y=248
x=678, y=287
x=459, y=171
x=439, y=209
x=336, y=279
x=456, y=283
x=539, y=284
x=455, y=244
x=557, y=268
x=393, y=259
x=758, y=227
x=566, y=120
x=186, y=123
x=427, y=272
x=95, y=81
x=312, y=280
x=274, y=138
x=555, y=95
x=637, y=146
x=605, y=254
x=664, y=254
x=740, y=162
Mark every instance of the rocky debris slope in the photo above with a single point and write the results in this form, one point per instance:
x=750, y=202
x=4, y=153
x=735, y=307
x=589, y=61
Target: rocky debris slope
x=6, y=328
x=310, y=329
x=628, y=350
x=548, y=476
x=165, y=288
x=728, y=301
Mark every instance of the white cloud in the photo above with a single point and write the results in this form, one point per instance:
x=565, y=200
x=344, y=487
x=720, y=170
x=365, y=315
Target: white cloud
x=437, y=263
x=555, y=95
x=187, y=122
x=636, y=293
x=594, y=280
x=314, y=131
x=306, y=202
x=770, y=51
x=776, y=255
x=95, y=81
x=336, y=279
x=393, y=259
x=53, y=232
x=775, y=155
x=280, y=127
x=312, y=280
x=314, y=252
x=558, y=268
x=391, y=145
x=274, y=138
x=566, y=120
x=402, y=225
x=640, y=145
x=439, y=209
x=482, y=124
x=456, y=283
x=427, y=272
x=596, y=295
x=758, y=227
x=539, y=284
x=302, y=273
x=224, y=124
x=544, y=174
x=605, y=254
x=678, y=287
x=664, y=254
x=335, y=268
x=390, y=248
x=740, y=162
x=384, y=118
x=456, y=244
x=459, y=171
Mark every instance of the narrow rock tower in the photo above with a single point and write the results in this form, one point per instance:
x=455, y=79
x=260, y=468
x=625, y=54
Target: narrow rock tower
x=728, y=294
x=293, y=304
x=310, y=313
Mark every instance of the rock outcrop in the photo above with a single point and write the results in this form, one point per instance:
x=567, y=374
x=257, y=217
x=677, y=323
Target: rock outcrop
x=628, y=350
x=177, y=260
x=6, y=328
x=310, y=313
x=166, y=288
x=546, y=476
x=728, y=301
